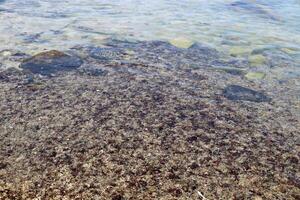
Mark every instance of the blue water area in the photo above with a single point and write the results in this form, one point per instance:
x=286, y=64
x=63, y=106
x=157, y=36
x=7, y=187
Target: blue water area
x=227, y=25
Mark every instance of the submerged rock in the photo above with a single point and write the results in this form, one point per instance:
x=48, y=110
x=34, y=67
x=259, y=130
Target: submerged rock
x=181, y=43
x=260, y=51
x=290, y=51
x=256, y=60
x=239, y=51
x=277, y=58
x=157, y=46
x=204, y=50
x=255, y=75
x=236, y=92
x=255, y=8
x=50, y=62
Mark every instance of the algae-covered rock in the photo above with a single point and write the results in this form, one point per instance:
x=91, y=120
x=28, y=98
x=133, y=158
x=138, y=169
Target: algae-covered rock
x=255, y=75
x=290, y=51
x=258, y=59
x=50, y=62
x=181, y=42
x=239, y=51
x=236, y=92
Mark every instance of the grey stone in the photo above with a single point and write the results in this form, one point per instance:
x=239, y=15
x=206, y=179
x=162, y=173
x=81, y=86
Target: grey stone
x=236, y=92
x=50, y=62
x=203, y=49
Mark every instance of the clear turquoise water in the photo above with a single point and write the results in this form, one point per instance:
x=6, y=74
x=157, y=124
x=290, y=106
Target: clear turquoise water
x=34, y=25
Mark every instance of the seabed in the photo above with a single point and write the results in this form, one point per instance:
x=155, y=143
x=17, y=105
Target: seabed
x=146, y=120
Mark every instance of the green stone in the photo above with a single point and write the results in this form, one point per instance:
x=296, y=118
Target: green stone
x=290, y=51
x=255, y=75
x=257, y=60
x=239, y=50
x=181, y=42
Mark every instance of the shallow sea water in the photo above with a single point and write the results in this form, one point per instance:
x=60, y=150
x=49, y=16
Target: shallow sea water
x=149, y=99
x=32, y=25
x=263, y=33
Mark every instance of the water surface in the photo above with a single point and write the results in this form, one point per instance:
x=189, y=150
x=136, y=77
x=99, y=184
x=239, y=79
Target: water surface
x=236, y=28
x=37, y=24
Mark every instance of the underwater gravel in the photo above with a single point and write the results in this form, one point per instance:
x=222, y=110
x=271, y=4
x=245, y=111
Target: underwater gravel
x=147, y=128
